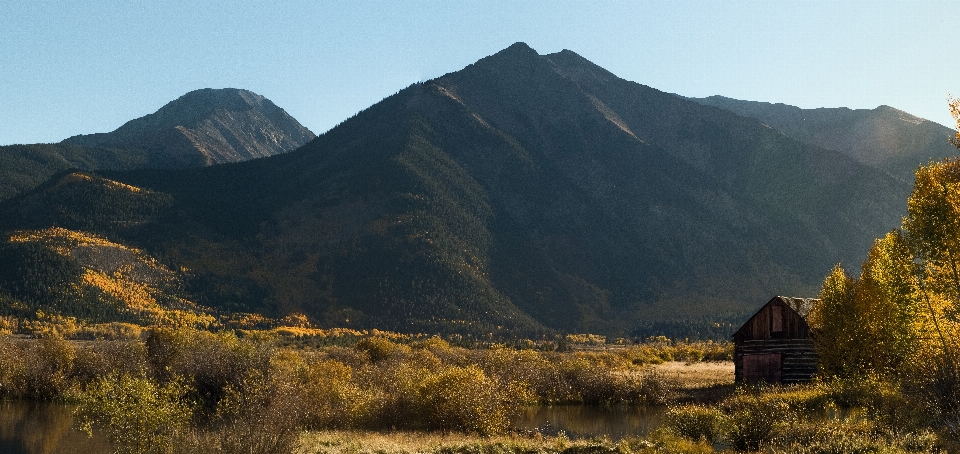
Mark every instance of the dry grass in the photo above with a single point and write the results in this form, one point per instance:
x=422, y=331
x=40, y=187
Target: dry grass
x=404, y=442
x=699, y=382
x=682, y=375
x=355, y=442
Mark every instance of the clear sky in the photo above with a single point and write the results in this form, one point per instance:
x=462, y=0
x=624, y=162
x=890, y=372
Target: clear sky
x=79, y=67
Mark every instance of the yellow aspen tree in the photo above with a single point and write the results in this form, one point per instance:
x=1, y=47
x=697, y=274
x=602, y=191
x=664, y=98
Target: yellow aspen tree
x=933, y=222
x=932, y=227
x=870, y=324
x=889, y=306
x=830, y=320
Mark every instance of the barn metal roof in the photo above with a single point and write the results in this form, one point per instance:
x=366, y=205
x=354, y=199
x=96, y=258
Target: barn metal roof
x=801, y=305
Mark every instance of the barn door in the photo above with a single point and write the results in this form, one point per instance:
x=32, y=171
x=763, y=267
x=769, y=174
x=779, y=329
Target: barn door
x=762, y=367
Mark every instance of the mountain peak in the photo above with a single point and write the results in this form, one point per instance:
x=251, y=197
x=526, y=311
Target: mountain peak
x=578, y=68
x=205, y=127
x=517, y=55
x=899, y=114
x=519, y=47
x=211, y=99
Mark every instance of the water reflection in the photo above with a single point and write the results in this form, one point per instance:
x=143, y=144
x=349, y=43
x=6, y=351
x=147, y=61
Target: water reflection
x=579, y=421
x=47, y=428
x=43, y=428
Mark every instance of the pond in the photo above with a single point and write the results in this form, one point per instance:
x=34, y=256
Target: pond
x=581, y=421
x=43, y=427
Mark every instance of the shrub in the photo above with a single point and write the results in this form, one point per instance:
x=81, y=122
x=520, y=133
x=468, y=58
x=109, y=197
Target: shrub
x=210, y=362
x=696, y=422
x=262, y=415
x=101, y=358
x=136, y=414
x=663, y=441
x=333, y=399
x=379, y=348
x=465, y=399
x=593, y=383
x=853, y=435
x=47, y=367
x=880, y=398
x=12, y=364
x=754, y=419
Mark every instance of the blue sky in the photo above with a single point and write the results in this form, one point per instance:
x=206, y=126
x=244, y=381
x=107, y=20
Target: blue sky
x=70, y=67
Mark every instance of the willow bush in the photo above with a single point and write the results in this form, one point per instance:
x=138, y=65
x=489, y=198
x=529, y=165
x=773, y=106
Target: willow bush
x=137, y=415
x=40, y=369
x=697, y=422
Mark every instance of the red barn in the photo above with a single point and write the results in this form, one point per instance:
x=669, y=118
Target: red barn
x=774, y=345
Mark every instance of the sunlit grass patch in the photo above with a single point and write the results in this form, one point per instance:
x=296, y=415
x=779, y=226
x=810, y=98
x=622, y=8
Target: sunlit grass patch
x=400, y=442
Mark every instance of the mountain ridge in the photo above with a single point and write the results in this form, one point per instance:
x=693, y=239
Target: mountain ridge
x=884, y=137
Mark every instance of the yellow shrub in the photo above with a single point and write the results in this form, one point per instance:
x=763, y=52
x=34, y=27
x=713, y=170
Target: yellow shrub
x=463, y=399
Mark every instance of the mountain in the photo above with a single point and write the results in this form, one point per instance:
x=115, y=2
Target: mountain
x=206, y=127
x=884, y=137
x=522, y=194
x=203, y=127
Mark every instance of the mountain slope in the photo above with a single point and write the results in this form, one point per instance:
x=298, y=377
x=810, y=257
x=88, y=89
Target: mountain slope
x=65, y=271
x=23, y=167
x=522, y=193
x=884, y=137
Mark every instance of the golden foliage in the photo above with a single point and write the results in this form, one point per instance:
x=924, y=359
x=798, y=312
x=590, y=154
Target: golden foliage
x=902, y=315
x=126, y=278
x=80, y=177
x=61, y=239
x=138, y=415
x=874, y=323
x=140, y=299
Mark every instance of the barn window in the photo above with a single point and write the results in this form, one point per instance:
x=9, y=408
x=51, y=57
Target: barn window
x=762, y=367
x=776, y=319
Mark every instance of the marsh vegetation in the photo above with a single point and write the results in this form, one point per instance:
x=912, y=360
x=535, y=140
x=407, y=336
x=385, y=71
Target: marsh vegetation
x=183, y=390
x=164, y=389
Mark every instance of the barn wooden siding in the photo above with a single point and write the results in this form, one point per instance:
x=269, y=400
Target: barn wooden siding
x=774, y=345
x=797, y=359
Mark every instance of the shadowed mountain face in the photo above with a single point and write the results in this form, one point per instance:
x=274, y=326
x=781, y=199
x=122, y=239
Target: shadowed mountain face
x=24, y=167
x=206, y=127
x=522, y=193
x=884, y=137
